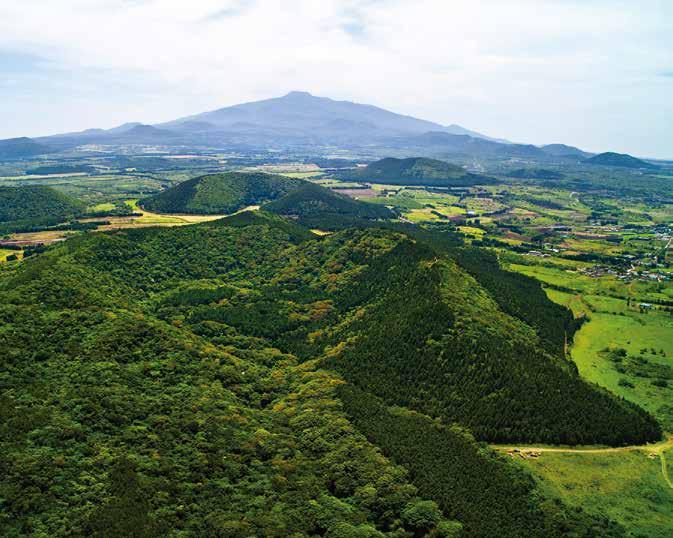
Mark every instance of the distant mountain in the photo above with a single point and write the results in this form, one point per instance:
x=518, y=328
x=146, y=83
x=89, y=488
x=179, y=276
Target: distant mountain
x=417, y=171
x=39, y=202
x=195, y=126
x=221, y=193
x=301, y=113
x=561, y=150
x=146, y=132
x=123, y=128
x=619, y=159
x=458, y=130
x=443, y=142
x=16, y=148
x=311, y=200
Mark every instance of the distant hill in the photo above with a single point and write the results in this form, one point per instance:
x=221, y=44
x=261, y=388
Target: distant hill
x=28, y=203
x=619, y=159
x=16, y=148
x=417, y=171
x=311, y=200
x=561, y=150
x=221, y=193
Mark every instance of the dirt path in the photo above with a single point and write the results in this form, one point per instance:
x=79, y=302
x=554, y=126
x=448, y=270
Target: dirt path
x=657, y=449
x=664, y=468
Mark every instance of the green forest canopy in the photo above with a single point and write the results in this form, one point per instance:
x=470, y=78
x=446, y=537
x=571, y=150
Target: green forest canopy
x=246, y=377
x=221, y=193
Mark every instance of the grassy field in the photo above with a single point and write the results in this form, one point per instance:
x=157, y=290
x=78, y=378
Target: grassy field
x=4, y=252
x=615, y=321
x=628, y=487
x=629, y=351
x=303, y=175
x=640, y=335
x=568, y=277
x=105, y=206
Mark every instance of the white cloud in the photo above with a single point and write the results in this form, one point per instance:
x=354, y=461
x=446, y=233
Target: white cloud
x=523, y=69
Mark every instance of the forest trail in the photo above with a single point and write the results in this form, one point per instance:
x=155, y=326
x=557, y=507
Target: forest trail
x=654, y=448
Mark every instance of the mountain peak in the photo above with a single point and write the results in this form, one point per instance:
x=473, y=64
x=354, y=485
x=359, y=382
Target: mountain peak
x=298, y=94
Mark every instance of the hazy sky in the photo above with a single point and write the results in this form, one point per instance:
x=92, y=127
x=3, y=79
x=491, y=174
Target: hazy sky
x=592, y=73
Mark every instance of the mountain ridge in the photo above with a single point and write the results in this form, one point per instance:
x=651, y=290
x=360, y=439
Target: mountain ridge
x=300, y=105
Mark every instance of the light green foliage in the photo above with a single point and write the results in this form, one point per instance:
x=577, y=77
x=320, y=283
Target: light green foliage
x=626, y=486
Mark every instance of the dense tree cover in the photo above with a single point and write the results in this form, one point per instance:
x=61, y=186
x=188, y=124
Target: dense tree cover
x=619, y=159
x=49, y=223
x=429, y=338
x=221, y=193
x=417, y=171
x=115, y=423
x=490, y=496
x=26, y=204
x=172, y=382
x=521, y=296
x=60, y=169
x=311, y=200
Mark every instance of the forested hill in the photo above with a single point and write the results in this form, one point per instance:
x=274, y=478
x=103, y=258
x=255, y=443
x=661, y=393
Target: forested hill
x=28, y=203
x=221, y=193
x=417, y=171
x=16, y=148
x=311, y=200
x=619, y=159
x=245, y=377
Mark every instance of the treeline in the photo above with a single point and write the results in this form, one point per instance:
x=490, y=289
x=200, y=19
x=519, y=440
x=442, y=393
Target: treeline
x=61, y=169
x=469, y=482
x=49, y=223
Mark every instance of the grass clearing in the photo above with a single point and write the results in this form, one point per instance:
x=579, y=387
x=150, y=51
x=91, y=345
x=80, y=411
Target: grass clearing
x=626, y=486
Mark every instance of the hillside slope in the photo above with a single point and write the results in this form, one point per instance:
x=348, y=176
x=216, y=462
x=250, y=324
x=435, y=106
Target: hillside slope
x=311, y=200
x=173, y=381
x=220, y=193
x=619, y=159
x=417, y=171
x=28, y=203
x=16, y=148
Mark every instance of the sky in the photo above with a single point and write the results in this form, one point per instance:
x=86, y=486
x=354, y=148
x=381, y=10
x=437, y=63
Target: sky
x=597, y=74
